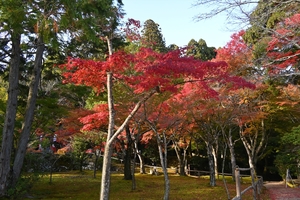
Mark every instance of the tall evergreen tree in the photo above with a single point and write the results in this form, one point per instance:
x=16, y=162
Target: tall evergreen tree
x=200, y=50
x=152, y=37
x=35, y=30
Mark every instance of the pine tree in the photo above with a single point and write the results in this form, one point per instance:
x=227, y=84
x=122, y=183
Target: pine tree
x=200, y=50
x=152, y=37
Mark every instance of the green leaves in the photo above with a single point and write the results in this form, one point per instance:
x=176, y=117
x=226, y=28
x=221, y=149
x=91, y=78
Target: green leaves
x=12, y=14
x=288, y=157
x=200, y=50
x=152, y=37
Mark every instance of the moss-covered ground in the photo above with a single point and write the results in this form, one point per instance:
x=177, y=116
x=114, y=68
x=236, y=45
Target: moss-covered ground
x=82, y=186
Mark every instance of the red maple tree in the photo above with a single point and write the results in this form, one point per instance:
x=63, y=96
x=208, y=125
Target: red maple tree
x=236, y=54
x=145, y=72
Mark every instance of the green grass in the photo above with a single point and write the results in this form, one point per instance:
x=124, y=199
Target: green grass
x=75, y=185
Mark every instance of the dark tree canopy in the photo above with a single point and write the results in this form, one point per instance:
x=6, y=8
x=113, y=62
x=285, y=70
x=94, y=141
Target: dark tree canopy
x=200, y=50
x=152, y=36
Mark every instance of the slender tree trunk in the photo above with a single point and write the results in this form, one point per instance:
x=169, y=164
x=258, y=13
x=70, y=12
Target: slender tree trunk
x=163, y=162
x=142, y=164
x=10, y=115
x=254, y=144
x=177, y=151
x=185, y=160
x=223, y=166
x=215, y=156
x=111, y=135
x=230, y=145
x=141, y=158
x=232, y=158
x=96, y=163
x=127, y=158
x=29, y=113
x=183, y=163
x=133, y=172
x=211, y=164
x=136, y=149
x=249, y=149
x=250, y=158
x=105, y=180
x=181, y=160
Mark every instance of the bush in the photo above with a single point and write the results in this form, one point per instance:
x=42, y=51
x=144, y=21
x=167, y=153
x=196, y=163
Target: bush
x=23, y=186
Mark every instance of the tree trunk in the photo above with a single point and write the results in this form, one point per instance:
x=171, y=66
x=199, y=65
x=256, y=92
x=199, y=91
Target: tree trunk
x=215, y=156
x=232, y=155
x=211, y=165
x=177, y=151
x=111, y=135
x=127, y=158
x=142, y=164
x=29, y=113
x=133, y=172
x=183, y=164
x=230, y=145
x=254, y=144
x=249, y=149
x=136, y=140
x=163, y=162
x=105, y=180
x=10, y=115
x=181, y=160
x=139, y=154
x=96, y=162
x=223, y=167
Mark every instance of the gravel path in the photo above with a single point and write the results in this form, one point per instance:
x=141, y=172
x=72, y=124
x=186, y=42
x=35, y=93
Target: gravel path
x=278, y=191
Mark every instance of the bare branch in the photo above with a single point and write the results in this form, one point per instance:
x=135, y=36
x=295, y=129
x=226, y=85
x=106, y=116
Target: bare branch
x=236, y=10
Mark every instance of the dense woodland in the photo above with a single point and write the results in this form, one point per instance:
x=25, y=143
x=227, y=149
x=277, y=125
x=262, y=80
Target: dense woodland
x=80, y=83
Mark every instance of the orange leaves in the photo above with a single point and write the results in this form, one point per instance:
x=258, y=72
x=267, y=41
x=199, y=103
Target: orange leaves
x=289, y=95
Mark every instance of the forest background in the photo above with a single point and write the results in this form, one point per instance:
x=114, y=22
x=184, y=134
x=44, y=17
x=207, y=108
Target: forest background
x=79, y=80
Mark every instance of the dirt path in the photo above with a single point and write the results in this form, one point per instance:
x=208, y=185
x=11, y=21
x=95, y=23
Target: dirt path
x=278, y=191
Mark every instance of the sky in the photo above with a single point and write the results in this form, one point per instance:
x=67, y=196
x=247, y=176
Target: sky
x=176, y=20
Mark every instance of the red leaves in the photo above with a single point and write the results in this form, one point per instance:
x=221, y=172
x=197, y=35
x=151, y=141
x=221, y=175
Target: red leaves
x=85, y=72
x=93, y=73
x=283, y=49
x=145, y=70
x=293, y=21
x=142, y=71
x=236, y=54
x=95, y=120
x=132, y=30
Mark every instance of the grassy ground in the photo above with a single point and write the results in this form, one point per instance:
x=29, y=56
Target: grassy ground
x=82, y=186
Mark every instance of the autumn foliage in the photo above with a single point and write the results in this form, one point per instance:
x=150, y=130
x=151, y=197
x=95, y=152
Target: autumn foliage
x=283, y=49
x=146, y=70
x=236, y=54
